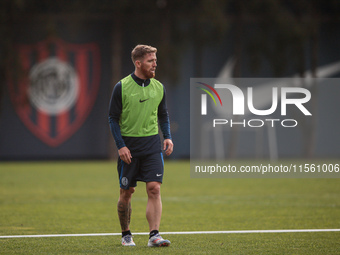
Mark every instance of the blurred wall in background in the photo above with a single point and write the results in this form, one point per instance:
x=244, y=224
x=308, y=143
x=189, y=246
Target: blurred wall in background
x=60, y=61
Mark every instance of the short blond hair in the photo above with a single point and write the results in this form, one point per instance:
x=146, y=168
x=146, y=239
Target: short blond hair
x=140, y=51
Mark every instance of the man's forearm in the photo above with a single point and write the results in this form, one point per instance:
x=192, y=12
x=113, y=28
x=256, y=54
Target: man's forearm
x=115, y=130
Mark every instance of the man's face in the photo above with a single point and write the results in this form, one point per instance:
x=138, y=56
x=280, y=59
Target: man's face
x=148, y=65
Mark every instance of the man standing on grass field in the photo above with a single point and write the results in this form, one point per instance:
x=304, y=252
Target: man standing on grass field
x=137, y=105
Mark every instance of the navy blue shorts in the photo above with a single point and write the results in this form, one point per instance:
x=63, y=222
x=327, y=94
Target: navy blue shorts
x=149, y=168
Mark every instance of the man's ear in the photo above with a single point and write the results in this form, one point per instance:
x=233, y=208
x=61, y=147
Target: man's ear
x=138, y=64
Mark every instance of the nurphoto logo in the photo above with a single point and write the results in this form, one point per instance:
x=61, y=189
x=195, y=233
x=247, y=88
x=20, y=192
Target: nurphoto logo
x=295, y=96
x=258, y=118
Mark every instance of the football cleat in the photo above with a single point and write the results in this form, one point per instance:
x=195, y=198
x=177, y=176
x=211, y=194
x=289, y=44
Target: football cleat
x=128, y=241
x=158, y=241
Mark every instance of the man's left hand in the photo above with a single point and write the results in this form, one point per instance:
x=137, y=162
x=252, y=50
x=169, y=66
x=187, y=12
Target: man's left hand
x=168, y=146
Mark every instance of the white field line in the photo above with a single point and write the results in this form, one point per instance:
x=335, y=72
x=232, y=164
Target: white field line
x=183, y=233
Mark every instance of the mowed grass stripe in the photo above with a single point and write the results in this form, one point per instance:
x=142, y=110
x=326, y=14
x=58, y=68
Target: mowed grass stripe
x=41, y=198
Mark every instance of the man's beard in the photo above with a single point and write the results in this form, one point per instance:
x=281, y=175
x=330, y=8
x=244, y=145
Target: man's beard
x=147, y=73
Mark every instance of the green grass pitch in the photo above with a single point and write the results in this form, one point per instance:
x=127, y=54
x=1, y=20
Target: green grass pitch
x=40, y=198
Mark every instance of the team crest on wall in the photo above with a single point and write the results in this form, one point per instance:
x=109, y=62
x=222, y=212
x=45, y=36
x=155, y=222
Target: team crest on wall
x=56, y=89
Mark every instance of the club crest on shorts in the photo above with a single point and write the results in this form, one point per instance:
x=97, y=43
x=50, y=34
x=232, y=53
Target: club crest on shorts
x=125, y=181
x=56, y=89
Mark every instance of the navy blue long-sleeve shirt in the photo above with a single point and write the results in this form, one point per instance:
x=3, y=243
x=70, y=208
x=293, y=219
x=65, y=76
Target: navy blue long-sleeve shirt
x=137, y=145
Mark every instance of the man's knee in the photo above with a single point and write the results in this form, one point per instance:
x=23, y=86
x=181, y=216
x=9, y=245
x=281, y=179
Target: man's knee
x=153, y=189
x=125, y=194
x=132, y=190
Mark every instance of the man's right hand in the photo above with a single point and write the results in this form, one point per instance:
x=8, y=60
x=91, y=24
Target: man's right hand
x=125, y=155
